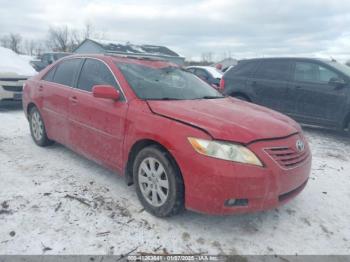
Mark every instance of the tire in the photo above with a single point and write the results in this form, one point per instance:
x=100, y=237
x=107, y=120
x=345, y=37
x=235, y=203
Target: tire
x=37, y=128
x=158, y=182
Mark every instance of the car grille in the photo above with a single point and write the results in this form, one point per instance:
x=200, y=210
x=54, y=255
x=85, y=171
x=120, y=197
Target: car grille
x=288, y=157
x=13, y=88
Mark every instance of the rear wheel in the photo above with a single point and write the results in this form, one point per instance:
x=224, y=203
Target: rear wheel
x=37, y=128
x=158, y=182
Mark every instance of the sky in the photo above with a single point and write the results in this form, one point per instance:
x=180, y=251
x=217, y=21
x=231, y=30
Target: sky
x=237, y=28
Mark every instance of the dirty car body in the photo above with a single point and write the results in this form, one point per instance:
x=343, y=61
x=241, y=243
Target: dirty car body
x=167, y=129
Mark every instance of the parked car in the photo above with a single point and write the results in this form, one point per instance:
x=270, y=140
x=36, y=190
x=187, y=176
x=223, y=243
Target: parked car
x=312, y=91
x=14, y=70
x=181, y=142
x=209, y=74
x=47, y=59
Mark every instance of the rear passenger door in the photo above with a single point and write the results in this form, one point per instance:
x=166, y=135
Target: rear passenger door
x=55, y=88
x=317, y=101
x=270, y=84
x=97, y=125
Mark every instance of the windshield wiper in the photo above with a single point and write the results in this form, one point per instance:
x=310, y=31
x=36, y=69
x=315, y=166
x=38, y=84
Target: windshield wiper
x=164, y=98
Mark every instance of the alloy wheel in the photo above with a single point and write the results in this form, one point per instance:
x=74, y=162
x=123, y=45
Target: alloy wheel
x=37, y=126
x=153, y=181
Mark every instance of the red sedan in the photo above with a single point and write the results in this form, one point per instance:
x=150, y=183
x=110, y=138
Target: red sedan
x=182, y=143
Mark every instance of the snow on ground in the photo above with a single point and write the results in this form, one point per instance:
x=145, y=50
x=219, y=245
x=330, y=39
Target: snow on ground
x=40, y=211
x=11, y=62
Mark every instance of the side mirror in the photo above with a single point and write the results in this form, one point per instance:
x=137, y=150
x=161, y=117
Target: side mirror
x=337, y=82
x=105, y=91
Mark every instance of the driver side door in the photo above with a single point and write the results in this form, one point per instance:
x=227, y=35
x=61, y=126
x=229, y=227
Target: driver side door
x=97, y=125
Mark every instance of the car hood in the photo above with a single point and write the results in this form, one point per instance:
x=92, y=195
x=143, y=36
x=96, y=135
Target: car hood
x=228, y=118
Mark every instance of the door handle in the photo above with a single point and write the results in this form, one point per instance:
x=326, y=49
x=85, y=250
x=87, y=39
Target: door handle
x=73, y=99
x=297, y=87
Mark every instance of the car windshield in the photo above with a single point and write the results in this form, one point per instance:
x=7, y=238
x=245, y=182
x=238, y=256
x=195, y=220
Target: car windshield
x=167, y=83
x=342, y=68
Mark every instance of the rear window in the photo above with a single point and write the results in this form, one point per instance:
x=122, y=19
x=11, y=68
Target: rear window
x=66, y=72
x=273, y=70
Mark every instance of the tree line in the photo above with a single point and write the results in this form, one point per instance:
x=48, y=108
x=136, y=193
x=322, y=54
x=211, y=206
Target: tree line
x=58, y=39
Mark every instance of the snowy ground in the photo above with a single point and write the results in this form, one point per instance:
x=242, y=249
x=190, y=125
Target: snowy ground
x=40, y=214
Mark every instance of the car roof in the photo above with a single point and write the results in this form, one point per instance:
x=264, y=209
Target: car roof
x=147, y=61
x=286, y=58
x=212, y=70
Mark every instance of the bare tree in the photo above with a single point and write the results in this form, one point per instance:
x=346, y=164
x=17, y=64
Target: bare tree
x=58, y=39
x=64, y=39
x=15, y=42
x=88, y=30
x=207, y=57
x=30, y=47
x=5, y=41
x=75, y=39
x=12, y=41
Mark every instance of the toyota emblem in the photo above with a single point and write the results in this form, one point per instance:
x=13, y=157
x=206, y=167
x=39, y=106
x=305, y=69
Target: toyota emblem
x=300, y=145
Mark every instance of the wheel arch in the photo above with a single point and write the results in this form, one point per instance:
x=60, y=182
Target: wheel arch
x=29, y=107
x=137, y=147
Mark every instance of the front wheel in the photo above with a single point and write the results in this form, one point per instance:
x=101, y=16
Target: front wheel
x=37, y=128
x=158, y=182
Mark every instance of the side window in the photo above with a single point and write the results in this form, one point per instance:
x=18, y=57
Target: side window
x=202, y=74
x=310, y=72
x=326, y=75
x=243, y=69
x=49, y=75
x=66, y=72
x=190, y=70
x=273, y=70
x=93, y=73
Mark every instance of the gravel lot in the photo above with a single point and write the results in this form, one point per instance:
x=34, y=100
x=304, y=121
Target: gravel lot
x=53, y=201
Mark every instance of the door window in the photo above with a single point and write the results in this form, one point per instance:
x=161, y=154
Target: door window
x=202, y=74
x=311, y=72
x=273, y=70
x=49, y=76
x=93, y=73
x=66, y=72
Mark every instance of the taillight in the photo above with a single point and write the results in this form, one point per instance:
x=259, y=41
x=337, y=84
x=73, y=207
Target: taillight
x=222, y=84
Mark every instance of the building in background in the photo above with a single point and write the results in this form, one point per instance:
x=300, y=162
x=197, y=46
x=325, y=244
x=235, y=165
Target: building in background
x=95, y=46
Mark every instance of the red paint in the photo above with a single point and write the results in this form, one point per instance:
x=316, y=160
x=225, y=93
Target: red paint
x=105, y=130
x=108, y=92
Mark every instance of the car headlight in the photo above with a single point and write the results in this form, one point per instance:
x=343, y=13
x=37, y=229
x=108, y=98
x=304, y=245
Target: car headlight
x=226, y=151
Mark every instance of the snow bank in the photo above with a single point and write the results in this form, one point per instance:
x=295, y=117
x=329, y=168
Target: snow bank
x=12, y=63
